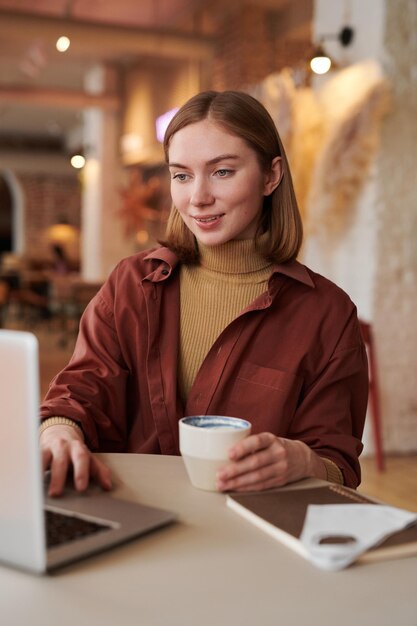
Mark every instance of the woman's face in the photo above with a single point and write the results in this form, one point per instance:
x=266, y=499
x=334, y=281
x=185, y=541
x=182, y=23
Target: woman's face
x=217, y=184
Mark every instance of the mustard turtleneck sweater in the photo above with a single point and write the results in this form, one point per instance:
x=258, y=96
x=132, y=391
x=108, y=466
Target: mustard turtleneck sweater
x=213, y=293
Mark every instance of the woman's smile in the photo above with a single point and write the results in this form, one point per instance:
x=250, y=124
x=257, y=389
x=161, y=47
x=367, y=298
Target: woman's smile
x=208, y=221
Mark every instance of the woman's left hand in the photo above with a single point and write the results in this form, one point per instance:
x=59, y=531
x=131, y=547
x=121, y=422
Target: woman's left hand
x=263, y=461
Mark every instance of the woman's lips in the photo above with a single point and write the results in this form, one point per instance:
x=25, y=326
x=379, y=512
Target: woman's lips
x=208, y=221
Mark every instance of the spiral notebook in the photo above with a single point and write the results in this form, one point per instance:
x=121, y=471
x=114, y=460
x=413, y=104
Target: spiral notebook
x=281, y=514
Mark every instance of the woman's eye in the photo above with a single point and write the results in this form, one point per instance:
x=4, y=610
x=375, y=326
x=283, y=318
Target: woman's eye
x=180, y=177
x=223, y=172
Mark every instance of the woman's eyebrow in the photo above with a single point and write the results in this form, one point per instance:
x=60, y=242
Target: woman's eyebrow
x=221, y=157
x=179, y=165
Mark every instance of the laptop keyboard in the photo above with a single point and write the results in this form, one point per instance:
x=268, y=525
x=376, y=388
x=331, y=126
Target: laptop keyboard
x=62, y=529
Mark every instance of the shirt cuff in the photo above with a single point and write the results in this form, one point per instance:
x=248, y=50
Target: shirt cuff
x=334, y=474
x=60, y=421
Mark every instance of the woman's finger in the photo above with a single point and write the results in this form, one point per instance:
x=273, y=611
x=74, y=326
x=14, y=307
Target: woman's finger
x=251, y=444
x=80, y=457
x=46, y=458
x=271, y=475
x=101, y=473
x=253, y=462
x=270, y=483
x=59, y=467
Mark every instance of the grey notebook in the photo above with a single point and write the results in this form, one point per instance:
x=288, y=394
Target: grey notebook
x=39, y=533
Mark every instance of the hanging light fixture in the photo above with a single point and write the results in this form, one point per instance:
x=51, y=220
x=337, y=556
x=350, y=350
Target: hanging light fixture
x=321, y=62
x=77, y=161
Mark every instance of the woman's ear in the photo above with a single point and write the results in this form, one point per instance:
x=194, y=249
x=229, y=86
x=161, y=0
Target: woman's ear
x=273, y=177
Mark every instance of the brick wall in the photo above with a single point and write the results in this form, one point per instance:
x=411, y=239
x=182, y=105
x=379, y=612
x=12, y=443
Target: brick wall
x=256, y=41
x=47, y=198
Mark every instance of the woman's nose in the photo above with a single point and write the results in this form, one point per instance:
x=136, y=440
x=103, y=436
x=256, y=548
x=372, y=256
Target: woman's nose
x=201, y=193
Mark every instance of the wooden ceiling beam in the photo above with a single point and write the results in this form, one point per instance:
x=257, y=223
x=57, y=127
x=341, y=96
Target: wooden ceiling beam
x=103, y=42
x=63, y=98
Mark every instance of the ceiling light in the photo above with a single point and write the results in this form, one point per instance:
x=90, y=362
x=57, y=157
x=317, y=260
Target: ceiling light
x=78, y=161
x=63, y=43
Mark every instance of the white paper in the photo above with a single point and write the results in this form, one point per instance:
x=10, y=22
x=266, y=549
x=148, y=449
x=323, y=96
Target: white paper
x=360, y=526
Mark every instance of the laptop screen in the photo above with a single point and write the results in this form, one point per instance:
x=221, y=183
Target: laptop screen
x=22, y=537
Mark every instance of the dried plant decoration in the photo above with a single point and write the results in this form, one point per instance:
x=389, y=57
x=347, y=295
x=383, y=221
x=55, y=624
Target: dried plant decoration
x=344, y=161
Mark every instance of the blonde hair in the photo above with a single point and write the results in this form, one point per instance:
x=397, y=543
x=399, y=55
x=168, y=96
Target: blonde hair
x=243, y=116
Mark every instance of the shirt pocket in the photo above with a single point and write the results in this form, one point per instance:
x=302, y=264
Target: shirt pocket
x=266, y=397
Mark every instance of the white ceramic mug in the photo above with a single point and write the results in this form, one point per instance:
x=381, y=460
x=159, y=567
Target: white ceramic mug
x=205, y=441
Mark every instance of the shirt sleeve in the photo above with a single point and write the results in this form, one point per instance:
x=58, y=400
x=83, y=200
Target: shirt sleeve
x=331, y=414
x=91, y=389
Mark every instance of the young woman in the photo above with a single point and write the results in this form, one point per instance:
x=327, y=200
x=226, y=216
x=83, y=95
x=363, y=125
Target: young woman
x=220, y=320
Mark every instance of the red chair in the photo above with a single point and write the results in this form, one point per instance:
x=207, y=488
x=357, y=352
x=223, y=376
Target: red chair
x=367, y=335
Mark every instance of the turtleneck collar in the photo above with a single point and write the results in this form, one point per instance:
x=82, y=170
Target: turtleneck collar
x=233, y=257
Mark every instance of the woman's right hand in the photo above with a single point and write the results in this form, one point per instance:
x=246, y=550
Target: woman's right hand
x=62, y=447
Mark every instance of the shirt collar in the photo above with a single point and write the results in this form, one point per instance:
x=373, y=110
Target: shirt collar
x=163, y=254
x=294, y=270
x=169, y=260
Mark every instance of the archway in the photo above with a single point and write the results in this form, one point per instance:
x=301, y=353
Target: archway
x=11, y=214
x=6, y=216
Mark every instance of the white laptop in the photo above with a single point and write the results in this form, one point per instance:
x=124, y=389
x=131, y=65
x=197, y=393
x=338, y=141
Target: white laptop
x=100, y=520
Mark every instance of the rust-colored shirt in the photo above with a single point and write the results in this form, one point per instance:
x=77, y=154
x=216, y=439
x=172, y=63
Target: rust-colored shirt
x=293, y=363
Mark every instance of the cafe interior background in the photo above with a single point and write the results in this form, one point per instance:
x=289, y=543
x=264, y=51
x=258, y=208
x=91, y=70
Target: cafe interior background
x=82, y=171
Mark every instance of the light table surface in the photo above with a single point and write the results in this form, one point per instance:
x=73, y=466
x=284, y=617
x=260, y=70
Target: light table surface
x=210, y=568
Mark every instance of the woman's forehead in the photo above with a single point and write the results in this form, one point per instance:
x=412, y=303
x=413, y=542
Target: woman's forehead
x=205, y=140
